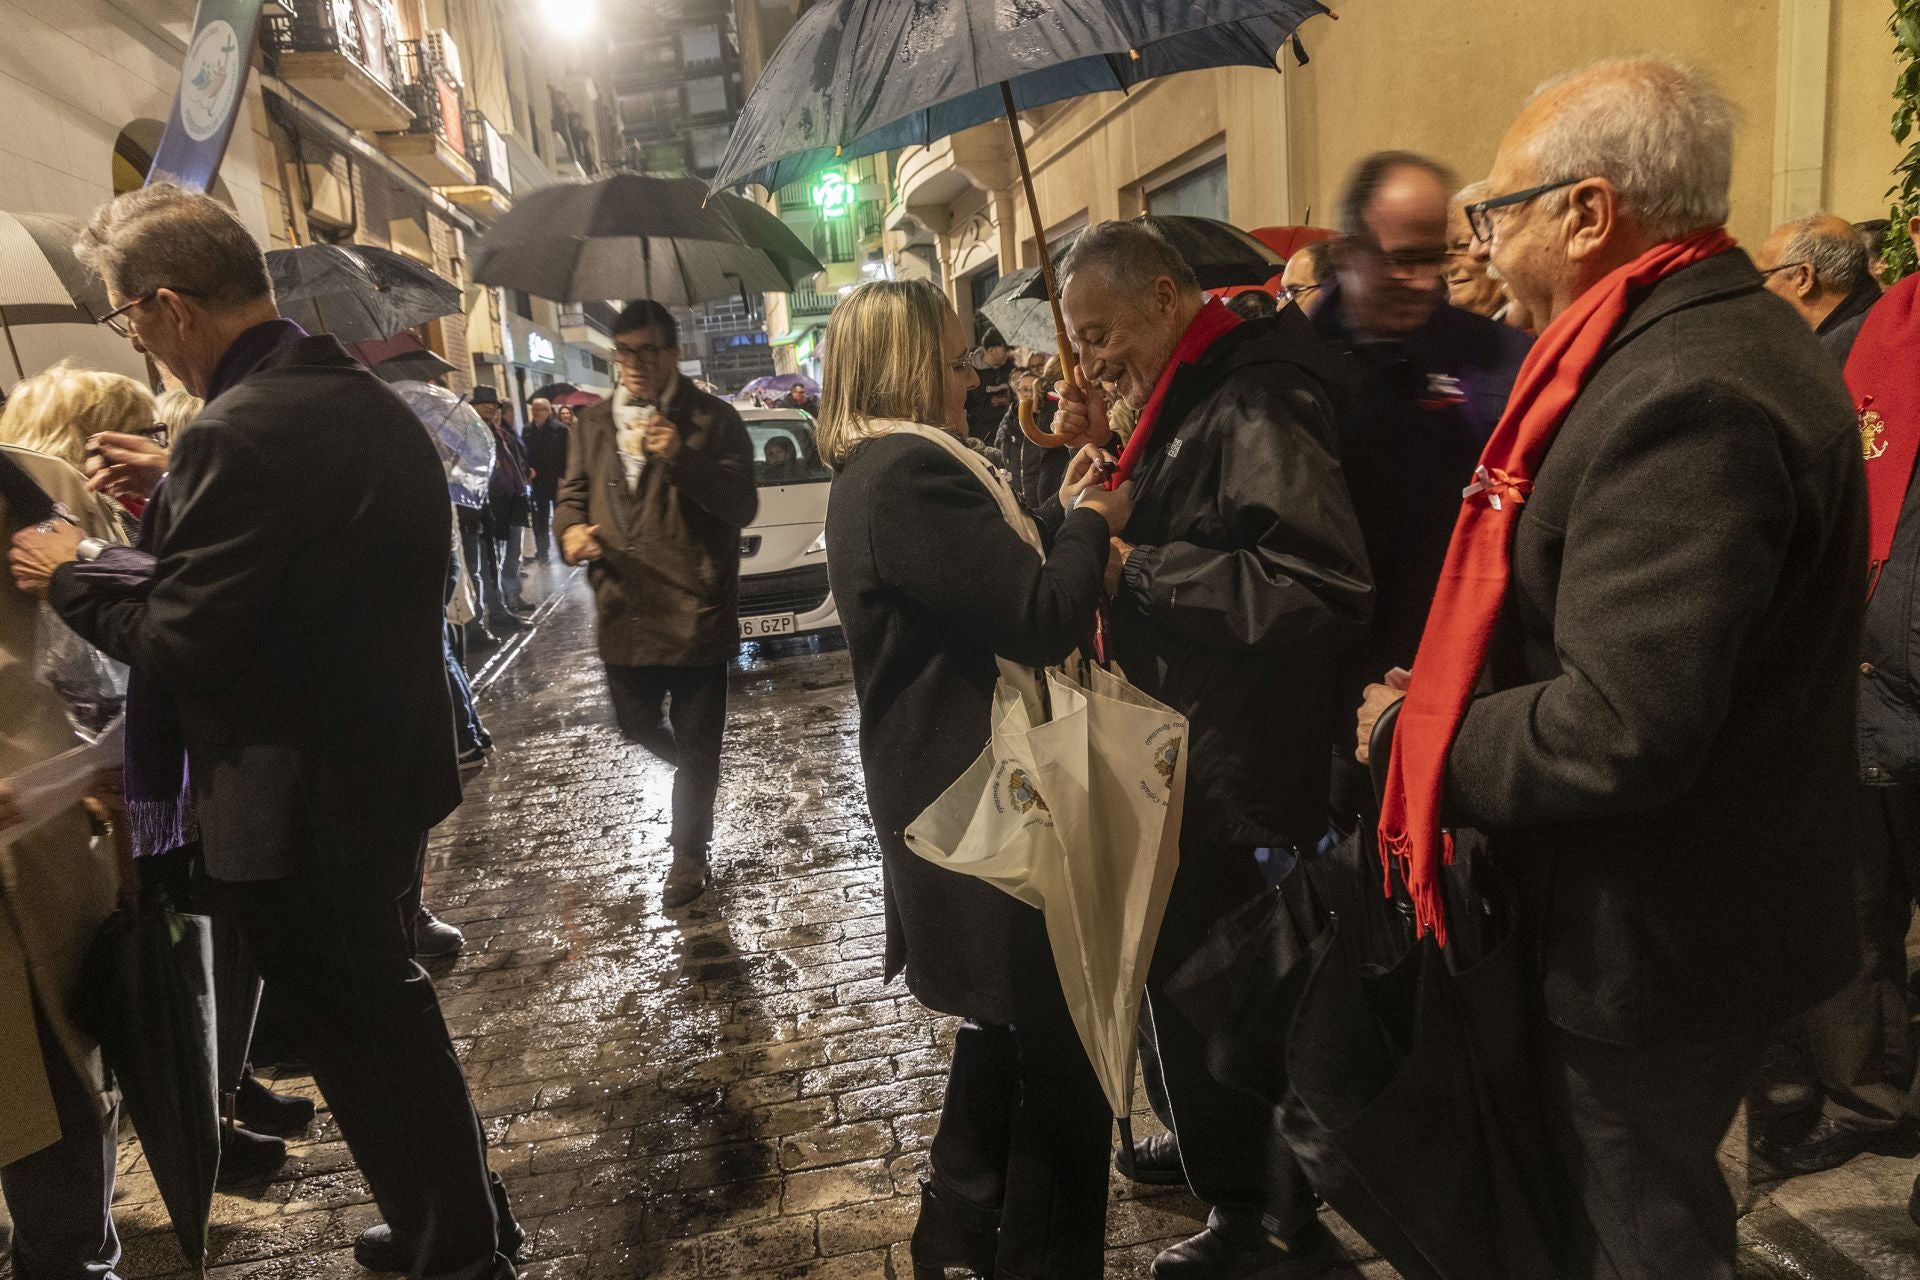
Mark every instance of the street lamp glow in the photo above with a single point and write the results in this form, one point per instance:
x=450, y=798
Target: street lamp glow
x=568, y=17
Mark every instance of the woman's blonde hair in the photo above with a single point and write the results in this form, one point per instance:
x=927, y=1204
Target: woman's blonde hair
x=882, y=360
x=54, y=412
x=176, y=409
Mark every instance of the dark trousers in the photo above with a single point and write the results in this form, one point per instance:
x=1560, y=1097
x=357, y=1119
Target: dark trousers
x=467, y=729
x=542, y=522
x=61, y=1197
x=1024, y=1133
x=1230, y=1144
x=1857, y=1038
x=680, y=715
x=1635, y=1133
x=473, y=544
x=337, y=947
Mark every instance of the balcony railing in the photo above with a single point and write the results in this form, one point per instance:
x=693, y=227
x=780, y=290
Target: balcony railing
x=487, y=153
x=439, y=104
x=361, y=29
x=807, y=302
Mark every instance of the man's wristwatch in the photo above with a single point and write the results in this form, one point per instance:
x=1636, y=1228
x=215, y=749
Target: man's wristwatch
x=89, y=549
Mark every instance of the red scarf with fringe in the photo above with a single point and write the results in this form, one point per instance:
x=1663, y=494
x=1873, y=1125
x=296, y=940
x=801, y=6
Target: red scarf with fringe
x=1883, y=372
x=1211, y=323
x=1473, y=581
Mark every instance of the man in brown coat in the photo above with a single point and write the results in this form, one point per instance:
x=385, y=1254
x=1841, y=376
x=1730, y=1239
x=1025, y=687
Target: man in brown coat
x=659, y=485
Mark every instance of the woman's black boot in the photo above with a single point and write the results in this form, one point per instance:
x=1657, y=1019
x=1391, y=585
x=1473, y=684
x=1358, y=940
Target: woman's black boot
x=952, y=1232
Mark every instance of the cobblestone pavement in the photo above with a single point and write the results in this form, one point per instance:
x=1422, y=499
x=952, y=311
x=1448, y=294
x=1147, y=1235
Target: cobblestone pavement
x=728, y=1090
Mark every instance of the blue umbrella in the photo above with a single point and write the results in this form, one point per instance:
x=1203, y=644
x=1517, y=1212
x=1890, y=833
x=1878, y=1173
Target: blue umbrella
x=855, y=77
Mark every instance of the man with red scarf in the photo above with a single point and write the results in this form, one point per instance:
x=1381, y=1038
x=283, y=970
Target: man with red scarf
x=1240, y=579
x=1638, y=675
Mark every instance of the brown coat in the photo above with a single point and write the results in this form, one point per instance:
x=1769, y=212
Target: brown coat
x=57, y=883
x=667, y=588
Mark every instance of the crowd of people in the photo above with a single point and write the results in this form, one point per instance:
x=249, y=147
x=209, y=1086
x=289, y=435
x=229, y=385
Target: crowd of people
x=1539, y=471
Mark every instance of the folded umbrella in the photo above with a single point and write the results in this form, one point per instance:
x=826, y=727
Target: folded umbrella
x=146, y=994
x=358, y=292
x=632, y=236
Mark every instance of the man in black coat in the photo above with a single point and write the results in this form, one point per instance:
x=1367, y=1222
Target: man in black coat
x=295, y=618
x=1432, y=380
x=1239, y=580
x=988, y=402
x=1661, y=749
x=545, y=441
x=1819, y=265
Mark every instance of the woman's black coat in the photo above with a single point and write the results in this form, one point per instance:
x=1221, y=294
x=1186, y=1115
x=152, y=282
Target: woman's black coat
x=932, y=583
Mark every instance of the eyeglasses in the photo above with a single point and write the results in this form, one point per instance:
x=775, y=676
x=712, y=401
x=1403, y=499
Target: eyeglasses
x=1785, y=266
x=1405, y=262
x=634, y=355
x=1299, y=291
x=113, y=319
x=1480, y=213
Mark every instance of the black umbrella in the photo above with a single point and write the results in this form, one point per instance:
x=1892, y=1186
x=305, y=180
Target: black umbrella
x=146, y=993
x=631, y=236
x=401, y=358
x=855, y=77
x=357, y=292
x=41, y=282
x=553, y=391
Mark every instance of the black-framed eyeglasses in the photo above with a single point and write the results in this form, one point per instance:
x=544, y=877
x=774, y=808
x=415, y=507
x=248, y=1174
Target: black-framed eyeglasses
x=1480, y=213
x=634, y=355
x=1785, y=266
x=113, y=318
x=1296, y=292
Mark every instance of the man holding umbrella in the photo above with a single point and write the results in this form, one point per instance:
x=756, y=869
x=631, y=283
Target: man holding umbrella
x=1238, y=581
x=1639, y=673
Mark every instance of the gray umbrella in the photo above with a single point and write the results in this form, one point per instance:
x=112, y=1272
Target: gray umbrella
x=41, y=282
x=1023, y=321
x=357, y=292
x=631, y=236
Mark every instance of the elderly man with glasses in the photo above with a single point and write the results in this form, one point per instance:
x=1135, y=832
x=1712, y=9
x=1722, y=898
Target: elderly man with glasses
x=1432, y=381
x=659, y=484
x=1639, y=674
x=1821, y=267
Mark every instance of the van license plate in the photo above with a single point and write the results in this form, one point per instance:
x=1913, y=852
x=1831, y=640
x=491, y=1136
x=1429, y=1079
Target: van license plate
x=769, y=624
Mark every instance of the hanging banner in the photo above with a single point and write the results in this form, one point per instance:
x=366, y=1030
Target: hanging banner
x=213, y=76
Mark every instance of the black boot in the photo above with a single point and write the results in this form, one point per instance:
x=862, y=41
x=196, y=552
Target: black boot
x=952, y=1232
x=248, y=1159
x=1153, y=1162
x=264, y=1111
x=1213, y=1255
x=378, y=1249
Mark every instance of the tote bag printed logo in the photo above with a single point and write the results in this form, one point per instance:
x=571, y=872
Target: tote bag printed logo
x=1164, y=746
x=1013, y=790
x=210, y=80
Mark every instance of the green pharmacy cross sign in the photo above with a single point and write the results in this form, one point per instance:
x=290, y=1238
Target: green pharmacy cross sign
x=832, y=194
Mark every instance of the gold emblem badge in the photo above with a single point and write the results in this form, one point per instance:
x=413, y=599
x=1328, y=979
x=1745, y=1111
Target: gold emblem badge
x=1165, y=759
x=1871, y=429
x=1025, y=796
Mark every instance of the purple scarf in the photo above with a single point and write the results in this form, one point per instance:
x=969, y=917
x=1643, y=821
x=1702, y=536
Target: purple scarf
x=158, y=792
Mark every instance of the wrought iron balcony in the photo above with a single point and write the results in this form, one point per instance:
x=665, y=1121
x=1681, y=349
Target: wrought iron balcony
x=434, y=145
x=343, y=55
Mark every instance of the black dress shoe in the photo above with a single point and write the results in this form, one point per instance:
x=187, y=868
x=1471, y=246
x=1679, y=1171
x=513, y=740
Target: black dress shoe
x=434, y=937
x=952, y=1232
x=1153, y=1161
x=506, y=624
x=1213, y=1256
x=262, y=1110
x=248, y=1159
x=686, y=881
x=378, y=1249
x=1827, y=1144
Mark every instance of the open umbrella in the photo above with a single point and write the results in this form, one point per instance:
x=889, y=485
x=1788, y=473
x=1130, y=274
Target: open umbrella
x=358, y=292
x=41, y=282
x=631, y=236
x=1074, y=808
x=855, y=77
x=779, y=384
x=401, y=358
x=146, y=993
x=1287, y=241
x=465, y=444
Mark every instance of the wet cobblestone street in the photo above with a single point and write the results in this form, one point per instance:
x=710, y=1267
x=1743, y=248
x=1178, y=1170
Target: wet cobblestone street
x=730, y=1090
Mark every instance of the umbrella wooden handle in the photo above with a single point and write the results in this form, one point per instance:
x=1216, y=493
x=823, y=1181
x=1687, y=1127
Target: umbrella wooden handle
x=1030, y=424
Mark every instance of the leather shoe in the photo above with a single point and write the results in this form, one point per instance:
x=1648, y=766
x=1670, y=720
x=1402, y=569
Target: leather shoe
x=434, y=937
x=1825, y=1145
x=248, y=1159
x=686, y=881
x=378, y=1249
x=262, y=1110
x=952, y=1232
x=1152, y=1161
x=1214, y=1256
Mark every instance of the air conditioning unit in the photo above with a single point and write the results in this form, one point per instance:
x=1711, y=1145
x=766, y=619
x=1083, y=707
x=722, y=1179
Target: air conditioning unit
x=442, y=49
x=332, y=192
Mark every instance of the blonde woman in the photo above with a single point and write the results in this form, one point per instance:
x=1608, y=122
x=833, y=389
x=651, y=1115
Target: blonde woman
x=58, y=411
x=934, y=583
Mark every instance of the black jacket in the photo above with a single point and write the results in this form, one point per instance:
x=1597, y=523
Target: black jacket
x=1248, y=579
x=295, y=615
x=931, y=585
x=1663, y=748
x=1036, y=471
x=667, y=590
x=546, y=450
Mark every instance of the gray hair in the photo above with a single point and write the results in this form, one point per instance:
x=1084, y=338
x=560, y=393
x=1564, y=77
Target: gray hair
x=166, y=237
x=1132, y=255
x=1839, y=262
x=1660, y=131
